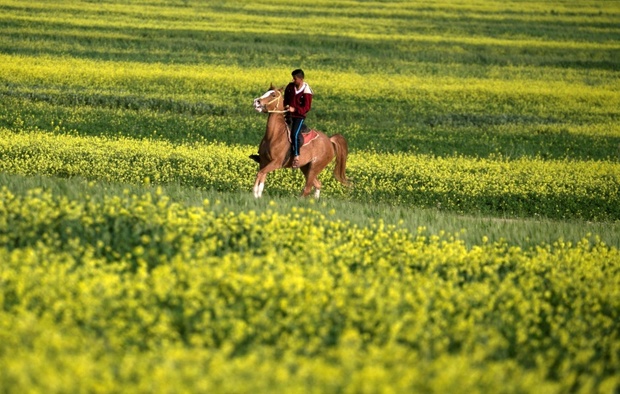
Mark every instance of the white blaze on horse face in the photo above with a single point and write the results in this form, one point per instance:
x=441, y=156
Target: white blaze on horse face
x=267, y=94
x=260, y=107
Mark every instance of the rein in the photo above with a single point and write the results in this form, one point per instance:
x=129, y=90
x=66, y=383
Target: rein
x=276, y=111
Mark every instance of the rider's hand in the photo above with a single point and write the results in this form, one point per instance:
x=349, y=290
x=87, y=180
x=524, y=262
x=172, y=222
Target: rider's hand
x=291, y=109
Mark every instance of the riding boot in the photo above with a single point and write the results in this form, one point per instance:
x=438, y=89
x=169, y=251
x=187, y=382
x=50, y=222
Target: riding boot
x=295, y=162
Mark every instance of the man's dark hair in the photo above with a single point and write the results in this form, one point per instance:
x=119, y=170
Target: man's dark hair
x=298, y=73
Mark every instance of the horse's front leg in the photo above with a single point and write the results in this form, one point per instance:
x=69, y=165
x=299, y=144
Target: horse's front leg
x=261, y=176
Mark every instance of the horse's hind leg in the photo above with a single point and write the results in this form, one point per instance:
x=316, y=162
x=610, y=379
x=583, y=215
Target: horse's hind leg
x=317, y=188
x=311, y=181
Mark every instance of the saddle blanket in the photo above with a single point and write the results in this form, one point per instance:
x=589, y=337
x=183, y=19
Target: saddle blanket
x=308, y=137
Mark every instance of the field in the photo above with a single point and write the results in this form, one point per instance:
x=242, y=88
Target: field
x=478, y=249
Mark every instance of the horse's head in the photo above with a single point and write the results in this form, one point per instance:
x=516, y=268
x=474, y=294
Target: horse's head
x=271, y=101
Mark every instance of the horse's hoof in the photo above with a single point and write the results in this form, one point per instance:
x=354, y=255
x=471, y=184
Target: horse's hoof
x=256, y=158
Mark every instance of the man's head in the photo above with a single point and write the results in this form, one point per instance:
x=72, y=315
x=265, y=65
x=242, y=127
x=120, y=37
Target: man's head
x=298, y=77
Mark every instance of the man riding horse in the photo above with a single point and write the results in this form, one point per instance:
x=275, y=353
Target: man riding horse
x=298, y=101
x=274, y=150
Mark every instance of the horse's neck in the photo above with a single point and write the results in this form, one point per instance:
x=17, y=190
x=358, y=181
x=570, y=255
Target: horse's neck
x=275, y=126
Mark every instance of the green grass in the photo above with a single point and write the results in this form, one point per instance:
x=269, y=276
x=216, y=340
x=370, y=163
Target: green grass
x=528, y=187
x=472, y=229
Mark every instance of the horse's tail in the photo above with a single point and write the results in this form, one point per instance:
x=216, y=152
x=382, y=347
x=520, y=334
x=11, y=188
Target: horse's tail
x=342, y=151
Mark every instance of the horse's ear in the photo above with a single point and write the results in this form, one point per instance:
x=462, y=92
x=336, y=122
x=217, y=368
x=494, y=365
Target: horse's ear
x=271, y=87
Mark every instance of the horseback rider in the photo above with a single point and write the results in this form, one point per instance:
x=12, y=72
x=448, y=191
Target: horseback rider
x=298, y=100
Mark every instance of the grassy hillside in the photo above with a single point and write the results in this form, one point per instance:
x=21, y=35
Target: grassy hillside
x=478, y=250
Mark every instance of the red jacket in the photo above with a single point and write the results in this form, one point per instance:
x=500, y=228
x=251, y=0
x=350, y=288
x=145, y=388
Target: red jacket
x=300, y=99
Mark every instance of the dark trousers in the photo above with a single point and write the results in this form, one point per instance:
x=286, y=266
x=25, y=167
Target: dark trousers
x=296, y=124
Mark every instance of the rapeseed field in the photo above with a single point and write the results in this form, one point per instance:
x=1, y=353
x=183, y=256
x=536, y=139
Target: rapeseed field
x=137, y=293
x=481, y=111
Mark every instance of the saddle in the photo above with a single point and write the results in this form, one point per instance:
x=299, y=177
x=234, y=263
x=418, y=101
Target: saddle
x=305, y=136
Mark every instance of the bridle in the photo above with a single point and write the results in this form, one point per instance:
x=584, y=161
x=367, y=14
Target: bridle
x=278, y=98
x=276, y=111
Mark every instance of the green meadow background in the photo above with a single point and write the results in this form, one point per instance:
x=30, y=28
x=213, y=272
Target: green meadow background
x=477, y=249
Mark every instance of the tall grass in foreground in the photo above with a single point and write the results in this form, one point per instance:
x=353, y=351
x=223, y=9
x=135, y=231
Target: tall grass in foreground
x=139, y=293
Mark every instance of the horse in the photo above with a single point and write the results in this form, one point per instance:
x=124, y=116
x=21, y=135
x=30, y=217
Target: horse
x=275, y=150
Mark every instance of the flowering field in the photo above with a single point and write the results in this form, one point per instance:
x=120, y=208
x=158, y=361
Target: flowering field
x=563, y=189
x=504, y=110
x=136, y=293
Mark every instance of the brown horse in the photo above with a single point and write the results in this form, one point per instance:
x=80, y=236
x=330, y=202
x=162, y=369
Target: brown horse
x=274, y=151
